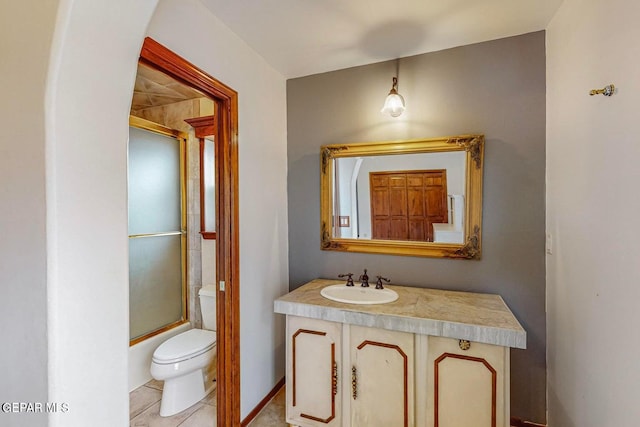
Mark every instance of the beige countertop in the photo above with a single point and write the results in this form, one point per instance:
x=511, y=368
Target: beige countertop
x=463, y=315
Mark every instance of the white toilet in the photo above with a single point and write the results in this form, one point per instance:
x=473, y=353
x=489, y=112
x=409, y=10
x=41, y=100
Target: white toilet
x=186, y=361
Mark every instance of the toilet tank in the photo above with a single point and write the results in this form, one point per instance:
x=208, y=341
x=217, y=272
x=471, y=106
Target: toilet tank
x=208, y=307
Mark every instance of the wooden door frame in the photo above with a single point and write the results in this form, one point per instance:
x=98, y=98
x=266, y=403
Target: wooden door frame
x=160, y=58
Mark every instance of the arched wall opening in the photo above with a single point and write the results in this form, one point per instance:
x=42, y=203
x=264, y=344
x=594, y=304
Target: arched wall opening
x=91, y=75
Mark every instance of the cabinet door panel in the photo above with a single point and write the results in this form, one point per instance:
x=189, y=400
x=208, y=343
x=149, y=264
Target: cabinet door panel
x=383, y=392
x=313, y=353
x=468, y=385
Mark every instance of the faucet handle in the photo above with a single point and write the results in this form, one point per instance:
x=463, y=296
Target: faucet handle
x=349, y=278
x=379, y=282
x=364, y=278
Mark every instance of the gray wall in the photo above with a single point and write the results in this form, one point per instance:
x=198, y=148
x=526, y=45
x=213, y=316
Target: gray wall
x=496, y=88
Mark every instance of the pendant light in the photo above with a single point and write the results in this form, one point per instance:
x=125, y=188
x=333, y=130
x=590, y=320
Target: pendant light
x=394, y=104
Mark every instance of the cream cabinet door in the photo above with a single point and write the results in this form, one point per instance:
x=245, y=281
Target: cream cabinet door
x=381, y=364
x=314, y=353
x=469, y=387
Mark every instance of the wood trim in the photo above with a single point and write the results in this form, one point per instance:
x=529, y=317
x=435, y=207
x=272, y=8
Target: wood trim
x=406, y=372
x=517, y=422
x=472, y=359
x=208, y=235
x=333, y=396
x=321, y=420
x=203, y=126
x=155, y=55
x=293, y=379
x=293, y=357
x=260, y=406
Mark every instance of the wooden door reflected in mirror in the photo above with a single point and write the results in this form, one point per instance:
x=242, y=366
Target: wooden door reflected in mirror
x=406, y=204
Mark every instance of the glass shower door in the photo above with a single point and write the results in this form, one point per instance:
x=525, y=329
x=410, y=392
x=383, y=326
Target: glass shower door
x=157, y=235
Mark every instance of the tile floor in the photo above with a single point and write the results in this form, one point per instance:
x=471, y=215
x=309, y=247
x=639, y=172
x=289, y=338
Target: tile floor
x=144, y=409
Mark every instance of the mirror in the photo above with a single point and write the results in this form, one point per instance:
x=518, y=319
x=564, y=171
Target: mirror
x=205, y=130
x=419, y=197
x=207, y=188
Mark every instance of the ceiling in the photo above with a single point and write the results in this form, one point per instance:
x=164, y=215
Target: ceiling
x=154, y=88
x=303, y=37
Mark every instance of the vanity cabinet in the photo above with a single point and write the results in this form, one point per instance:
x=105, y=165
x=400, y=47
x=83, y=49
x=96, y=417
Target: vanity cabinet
x=381, y=388
x=314, y=354
x=339, y=372
x=400, y=364
x=467, y=384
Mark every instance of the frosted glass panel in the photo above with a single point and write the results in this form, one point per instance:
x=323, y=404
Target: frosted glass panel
x=154, y=182
x=155, y=283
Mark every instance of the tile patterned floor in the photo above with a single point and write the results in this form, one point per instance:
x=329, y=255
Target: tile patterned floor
x=144, y=409
x=144, y=404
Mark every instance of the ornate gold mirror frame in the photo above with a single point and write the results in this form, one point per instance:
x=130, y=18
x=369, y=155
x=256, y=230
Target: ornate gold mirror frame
x=473, y=145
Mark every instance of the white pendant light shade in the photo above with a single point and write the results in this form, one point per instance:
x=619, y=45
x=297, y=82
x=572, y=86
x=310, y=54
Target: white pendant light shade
x=394, y=104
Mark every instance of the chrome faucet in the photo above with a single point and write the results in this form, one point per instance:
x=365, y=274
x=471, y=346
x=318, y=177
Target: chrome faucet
x=364, y=279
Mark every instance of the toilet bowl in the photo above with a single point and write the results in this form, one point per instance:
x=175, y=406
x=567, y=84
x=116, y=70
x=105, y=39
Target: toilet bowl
x=184, y=360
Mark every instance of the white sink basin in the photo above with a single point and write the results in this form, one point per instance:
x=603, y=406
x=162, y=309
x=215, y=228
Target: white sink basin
x=358, y=295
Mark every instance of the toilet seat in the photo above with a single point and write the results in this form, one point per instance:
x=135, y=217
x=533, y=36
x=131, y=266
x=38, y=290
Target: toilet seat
x=184, y=346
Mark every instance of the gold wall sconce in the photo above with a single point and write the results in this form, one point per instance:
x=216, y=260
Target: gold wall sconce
x=606, y=91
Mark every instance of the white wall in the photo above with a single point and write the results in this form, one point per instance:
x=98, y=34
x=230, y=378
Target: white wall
x=91, y=81
x=345, y=200
x=593, y=201
x=26, y=29
x=92, y=72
